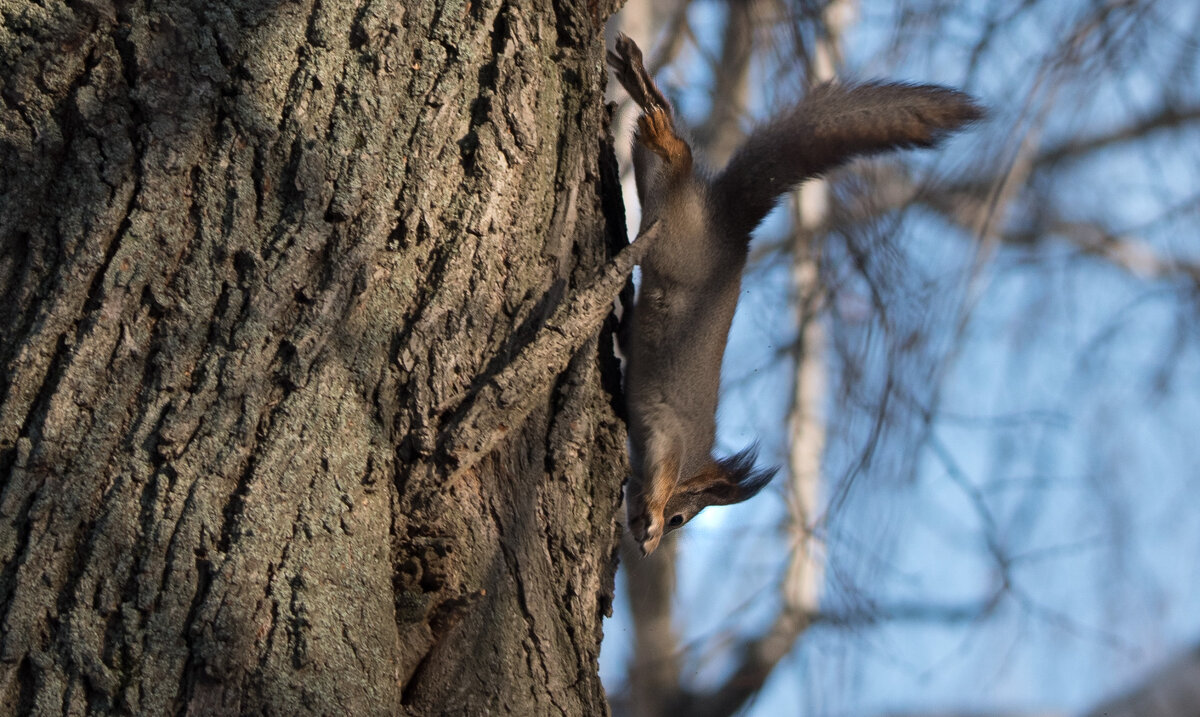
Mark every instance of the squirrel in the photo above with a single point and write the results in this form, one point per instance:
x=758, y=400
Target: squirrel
x=691, y=275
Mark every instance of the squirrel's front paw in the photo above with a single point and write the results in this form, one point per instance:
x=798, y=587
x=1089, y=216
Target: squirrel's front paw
x=649, y=538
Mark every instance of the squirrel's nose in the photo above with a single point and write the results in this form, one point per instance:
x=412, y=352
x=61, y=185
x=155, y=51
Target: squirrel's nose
x=649, y=544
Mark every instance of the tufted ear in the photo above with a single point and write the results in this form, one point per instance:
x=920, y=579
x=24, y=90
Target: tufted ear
x=724, y=482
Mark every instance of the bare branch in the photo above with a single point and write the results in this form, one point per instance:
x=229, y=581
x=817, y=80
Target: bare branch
x=1126, y=252
x=654, y=666
x=1169, y=117
x=672, y=40
x=721, y=132
x=1172, y=691
x=760, y=656
x=911, y=612
x=506, y=399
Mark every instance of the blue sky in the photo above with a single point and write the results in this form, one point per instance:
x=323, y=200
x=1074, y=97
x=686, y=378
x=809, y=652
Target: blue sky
x=1068, y=406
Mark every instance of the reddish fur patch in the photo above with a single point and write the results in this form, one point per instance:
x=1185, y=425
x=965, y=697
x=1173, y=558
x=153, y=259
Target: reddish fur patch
x=662, y=484
x=656, y=130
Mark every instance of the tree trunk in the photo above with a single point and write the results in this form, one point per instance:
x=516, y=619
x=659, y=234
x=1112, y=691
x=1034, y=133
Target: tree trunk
x=260, y=262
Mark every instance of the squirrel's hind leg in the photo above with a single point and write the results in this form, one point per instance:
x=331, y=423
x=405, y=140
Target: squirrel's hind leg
x=656, y=131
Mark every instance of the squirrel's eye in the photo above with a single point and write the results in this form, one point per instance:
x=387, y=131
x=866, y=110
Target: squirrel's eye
x=675, y=521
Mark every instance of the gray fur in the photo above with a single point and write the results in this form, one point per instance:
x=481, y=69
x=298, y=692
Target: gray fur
x=691, y=276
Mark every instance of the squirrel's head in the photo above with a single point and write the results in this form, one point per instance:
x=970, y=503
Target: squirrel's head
x=649, y=526
x=725, y=482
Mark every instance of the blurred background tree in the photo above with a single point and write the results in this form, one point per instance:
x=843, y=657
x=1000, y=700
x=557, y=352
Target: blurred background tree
x=978, y=366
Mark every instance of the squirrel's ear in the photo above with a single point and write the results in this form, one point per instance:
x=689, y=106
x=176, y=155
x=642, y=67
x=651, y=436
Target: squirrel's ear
x=725, y=482
x=741, y=480
x=720, y=492
x=727, y=493
x=703, y=490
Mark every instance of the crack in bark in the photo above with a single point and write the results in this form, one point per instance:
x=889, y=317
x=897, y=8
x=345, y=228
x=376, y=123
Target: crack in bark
x=510, y=560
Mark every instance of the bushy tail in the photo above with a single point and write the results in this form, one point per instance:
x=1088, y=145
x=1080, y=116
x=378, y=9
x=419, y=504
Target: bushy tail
x=832, y=125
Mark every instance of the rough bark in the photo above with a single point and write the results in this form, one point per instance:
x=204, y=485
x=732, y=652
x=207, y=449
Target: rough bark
x=255, y=259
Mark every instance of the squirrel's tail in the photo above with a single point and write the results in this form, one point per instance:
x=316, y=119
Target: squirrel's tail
x=832, y=125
